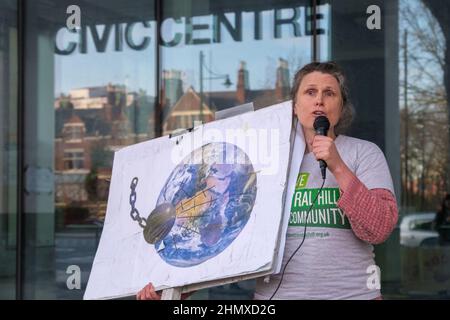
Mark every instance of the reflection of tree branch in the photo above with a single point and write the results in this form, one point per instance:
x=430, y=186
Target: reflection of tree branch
x=426, y=97
x=426, y=31
x=440, y=10
x=424, y=70
x=427, y=118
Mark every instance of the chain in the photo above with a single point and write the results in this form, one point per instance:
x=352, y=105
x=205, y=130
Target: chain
x=134, y=213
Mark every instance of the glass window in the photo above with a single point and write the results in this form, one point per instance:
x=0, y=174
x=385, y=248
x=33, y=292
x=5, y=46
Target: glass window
x=220, y=54
x=73, y=133
x=90, y=91
x=73, y=160
x=8, y=145
x=95, y=75
x=425, y=165
x=397, y=78
x=216, y=56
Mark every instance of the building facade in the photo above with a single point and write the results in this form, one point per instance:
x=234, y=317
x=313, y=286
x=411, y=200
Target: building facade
x=81, y=79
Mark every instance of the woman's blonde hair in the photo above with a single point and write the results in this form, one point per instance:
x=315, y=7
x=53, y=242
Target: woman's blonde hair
x=333, y=69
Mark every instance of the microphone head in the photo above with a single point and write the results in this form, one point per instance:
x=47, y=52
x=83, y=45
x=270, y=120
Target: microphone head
x=321, y=125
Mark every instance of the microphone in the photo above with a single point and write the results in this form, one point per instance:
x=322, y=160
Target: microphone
x=321, y=125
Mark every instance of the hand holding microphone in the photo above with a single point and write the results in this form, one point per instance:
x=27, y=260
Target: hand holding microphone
x=321, y=125
x=324, y=148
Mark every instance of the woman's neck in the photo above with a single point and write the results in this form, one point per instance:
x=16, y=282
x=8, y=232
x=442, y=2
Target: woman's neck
x=310, y=134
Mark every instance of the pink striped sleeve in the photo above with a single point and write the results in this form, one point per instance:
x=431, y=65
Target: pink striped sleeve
x=372, y=213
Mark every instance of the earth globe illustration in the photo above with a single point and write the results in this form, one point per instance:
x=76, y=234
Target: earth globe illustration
x=210, y=196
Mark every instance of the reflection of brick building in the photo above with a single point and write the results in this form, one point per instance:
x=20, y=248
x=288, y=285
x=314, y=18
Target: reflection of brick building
x=186, y=110
x=91, y=123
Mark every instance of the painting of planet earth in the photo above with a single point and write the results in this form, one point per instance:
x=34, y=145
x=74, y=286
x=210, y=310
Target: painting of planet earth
x=213, y=190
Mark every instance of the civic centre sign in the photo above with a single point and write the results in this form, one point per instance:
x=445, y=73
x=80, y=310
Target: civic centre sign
x=191, y=31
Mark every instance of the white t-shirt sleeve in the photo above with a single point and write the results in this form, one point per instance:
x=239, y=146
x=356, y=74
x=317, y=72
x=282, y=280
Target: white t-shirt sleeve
x=372, y=168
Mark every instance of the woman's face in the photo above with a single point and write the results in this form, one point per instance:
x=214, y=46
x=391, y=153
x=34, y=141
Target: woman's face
x=318, y=95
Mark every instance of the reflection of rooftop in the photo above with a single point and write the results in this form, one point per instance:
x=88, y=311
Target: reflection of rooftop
x=221, y=100
x=181, y=109
x=137, y=110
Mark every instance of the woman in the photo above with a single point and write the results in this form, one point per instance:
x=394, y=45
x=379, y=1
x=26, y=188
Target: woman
x=356, y=207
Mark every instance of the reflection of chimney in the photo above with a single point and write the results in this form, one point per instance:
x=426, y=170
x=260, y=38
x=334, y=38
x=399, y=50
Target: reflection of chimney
x=282, y=86
x=242, y=83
